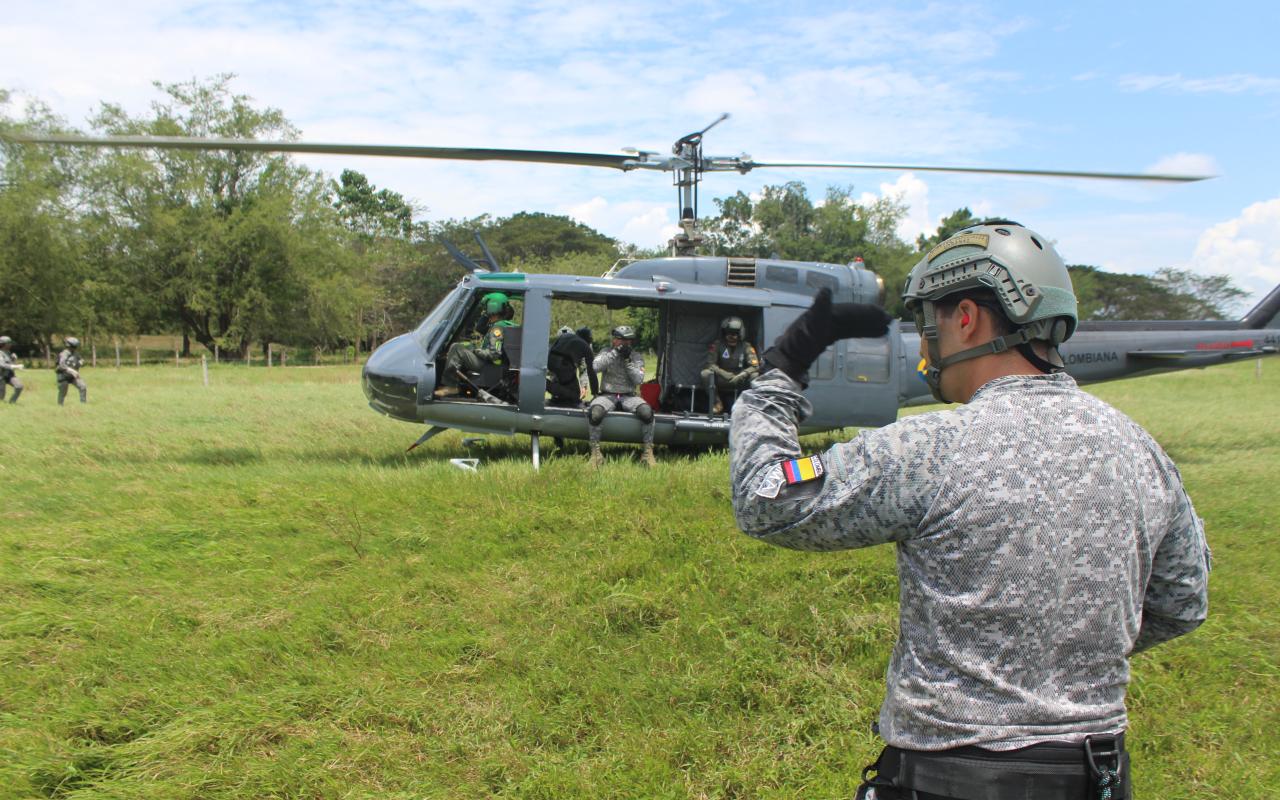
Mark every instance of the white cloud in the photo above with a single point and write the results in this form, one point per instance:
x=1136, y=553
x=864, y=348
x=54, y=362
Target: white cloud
x=1247, y=248
x=1185, y=164
x=1236, y=83
x=914, y=194
x=646, y=224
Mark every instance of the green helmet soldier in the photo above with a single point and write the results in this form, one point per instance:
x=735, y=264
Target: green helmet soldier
x=496, y=314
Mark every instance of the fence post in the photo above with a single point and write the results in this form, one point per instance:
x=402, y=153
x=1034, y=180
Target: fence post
x=137, y=356
x=204, y=368
x=177, y=362
x=284, y=357
x=215, y=352
x=117, y=354
x=93, y=349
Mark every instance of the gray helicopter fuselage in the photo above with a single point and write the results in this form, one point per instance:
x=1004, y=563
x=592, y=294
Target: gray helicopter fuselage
x=856, y=382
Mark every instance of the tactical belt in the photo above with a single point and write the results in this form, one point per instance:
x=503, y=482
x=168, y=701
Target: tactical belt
x=1097, y=769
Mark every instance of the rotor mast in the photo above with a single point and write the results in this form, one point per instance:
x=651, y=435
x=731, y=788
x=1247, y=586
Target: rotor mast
x=688, y=168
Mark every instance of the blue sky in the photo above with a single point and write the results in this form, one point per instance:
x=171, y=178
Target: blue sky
x=1100, y=86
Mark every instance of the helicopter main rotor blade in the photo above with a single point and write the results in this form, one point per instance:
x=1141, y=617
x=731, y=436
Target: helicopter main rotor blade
x=746, y=165
x=403, y=151
x=625, y=162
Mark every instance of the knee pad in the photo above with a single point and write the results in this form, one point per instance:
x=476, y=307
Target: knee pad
x=645, y=413
x=596, y=415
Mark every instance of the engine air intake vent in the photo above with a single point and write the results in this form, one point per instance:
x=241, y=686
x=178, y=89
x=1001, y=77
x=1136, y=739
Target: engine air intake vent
x=742, y=272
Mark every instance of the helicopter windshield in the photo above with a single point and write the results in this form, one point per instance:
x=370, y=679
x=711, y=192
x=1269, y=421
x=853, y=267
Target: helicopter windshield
x=432, y=329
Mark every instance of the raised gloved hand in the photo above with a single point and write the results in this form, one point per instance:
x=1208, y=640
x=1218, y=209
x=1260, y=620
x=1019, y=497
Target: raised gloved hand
x=820, y=326
x=625, y=351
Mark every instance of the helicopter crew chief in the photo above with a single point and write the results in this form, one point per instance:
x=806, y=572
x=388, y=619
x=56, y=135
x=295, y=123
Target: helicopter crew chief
x=470, y=356
x=621, y=373
x=569, y=350
x=731, y=364
x=8, y=367
x=68, y=369
x=1042, y=536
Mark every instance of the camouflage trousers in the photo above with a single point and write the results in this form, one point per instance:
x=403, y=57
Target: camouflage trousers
x=625, y=402
x=79, y=384
x=6, y=382
x=461, y=357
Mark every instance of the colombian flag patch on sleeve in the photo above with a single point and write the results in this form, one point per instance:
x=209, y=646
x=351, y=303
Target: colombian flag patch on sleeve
x=800, y=470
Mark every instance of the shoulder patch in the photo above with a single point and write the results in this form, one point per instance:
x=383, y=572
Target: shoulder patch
x=800, y=470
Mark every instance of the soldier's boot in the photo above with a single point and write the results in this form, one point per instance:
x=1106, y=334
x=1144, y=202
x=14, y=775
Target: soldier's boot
x=597, y=458
x=717, y=407
x=646, y=456
x=445, y=391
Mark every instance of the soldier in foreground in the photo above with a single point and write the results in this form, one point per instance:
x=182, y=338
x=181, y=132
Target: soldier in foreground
x=8, y=370
x=731, y=364
x=68, y=369
x=1043, y=537
x=621, y=373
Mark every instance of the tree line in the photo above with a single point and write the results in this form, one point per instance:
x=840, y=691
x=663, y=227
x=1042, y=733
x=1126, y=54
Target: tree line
x=233, y=249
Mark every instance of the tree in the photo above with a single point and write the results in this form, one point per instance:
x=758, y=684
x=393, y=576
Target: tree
x=951, y=224
x=785, y=223
x=42, y=269
x=228, y=246
x=1204, y=296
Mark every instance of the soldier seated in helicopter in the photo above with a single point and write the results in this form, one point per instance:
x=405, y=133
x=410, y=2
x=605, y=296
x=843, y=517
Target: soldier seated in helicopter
x=468, y=361
x=731, y=363
x=570, y=350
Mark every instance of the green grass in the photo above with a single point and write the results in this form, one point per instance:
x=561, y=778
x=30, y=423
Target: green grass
x=250, y=591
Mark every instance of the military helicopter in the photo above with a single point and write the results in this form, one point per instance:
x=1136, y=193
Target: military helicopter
x=856, y=382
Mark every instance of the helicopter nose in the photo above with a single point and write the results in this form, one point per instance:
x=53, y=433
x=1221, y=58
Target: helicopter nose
x=396, y=375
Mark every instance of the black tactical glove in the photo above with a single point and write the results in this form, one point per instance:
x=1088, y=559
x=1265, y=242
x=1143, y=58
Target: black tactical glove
x=624, y=351
x=819, y=327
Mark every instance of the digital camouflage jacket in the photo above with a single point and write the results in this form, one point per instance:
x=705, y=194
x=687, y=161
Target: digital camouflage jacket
x=1042, y=538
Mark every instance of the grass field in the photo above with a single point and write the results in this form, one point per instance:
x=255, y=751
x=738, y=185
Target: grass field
x=248, y=591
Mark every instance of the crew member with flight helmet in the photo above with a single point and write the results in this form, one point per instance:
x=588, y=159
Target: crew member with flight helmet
x=731, y=364
x=8, y=370
x=621, y=373
x=470, y=356
x=1042, y=536
x=569, y=351
x=68, y=369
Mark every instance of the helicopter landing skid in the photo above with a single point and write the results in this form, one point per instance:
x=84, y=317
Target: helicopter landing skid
x=432, y=431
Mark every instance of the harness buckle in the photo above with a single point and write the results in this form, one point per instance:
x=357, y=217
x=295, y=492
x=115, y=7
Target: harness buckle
x=1107, y=778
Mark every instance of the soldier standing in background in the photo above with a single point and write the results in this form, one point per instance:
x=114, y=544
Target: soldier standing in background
x=69, y=364
x=731, y=364
x=621, y=373
x=8, y=367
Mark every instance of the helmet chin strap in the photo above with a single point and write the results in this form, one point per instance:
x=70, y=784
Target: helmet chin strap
x=1020, y=339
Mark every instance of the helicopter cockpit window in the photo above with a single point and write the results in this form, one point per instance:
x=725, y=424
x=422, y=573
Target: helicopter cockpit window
x=430, y=332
